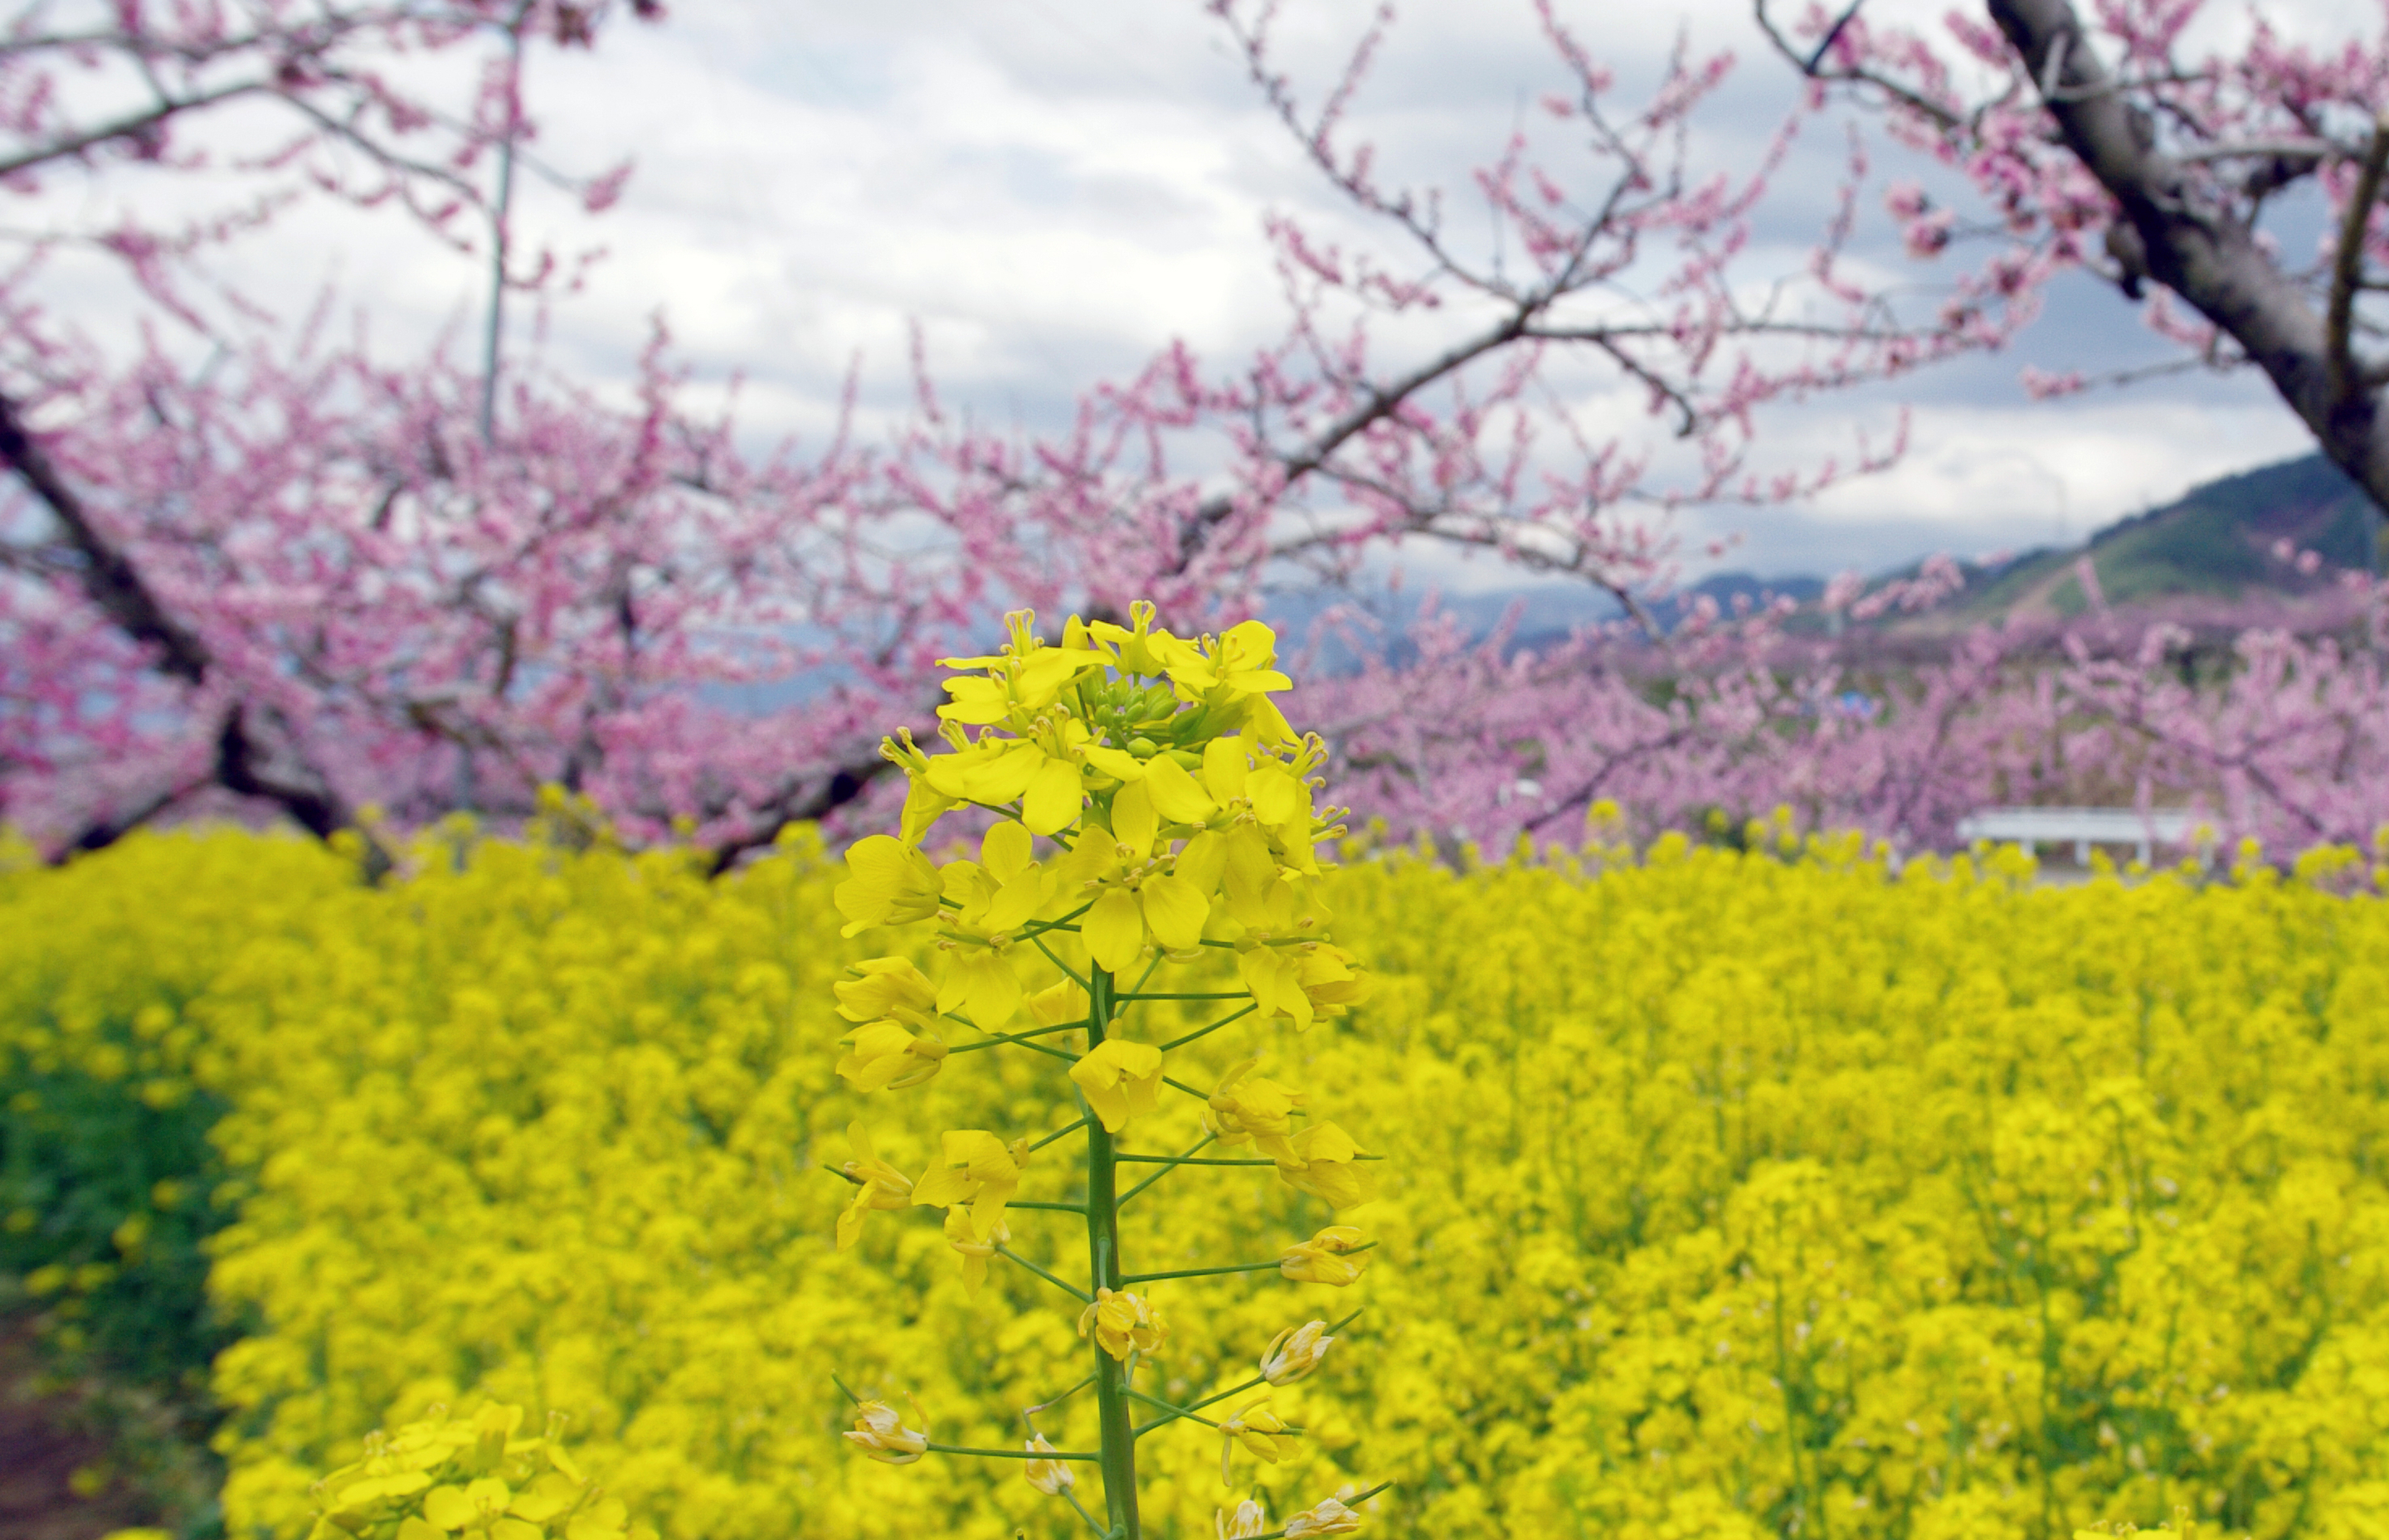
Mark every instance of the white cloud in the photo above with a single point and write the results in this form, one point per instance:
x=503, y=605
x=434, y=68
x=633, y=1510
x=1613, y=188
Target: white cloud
x=1055, y=188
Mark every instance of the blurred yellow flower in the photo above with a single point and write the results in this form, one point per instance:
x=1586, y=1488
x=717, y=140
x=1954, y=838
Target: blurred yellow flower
x=1326, y=1516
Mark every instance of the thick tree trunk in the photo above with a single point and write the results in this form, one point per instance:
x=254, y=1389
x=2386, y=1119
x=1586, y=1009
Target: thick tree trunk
x=2213, y=262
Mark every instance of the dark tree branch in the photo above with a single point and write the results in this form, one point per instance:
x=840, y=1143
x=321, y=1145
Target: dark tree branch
x=2212, y=261
x=107, y=578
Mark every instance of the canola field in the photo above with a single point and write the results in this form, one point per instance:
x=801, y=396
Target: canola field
x=1725, y=1194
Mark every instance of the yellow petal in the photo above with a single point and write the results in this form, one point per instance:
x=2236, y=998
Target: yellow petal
x=1005, y=851
x=1176, y=911
x=1203, y=861
x=1114, y=931
x=446, y=1506
x=1175, y=796
x=412, y=1528
x=1134, y=821
x=1223, y=768
x=990, y=989
x=1054, y=799
x=1005, y=776
x=1117, y=763
x=1276, y=793
x=1104, y=1096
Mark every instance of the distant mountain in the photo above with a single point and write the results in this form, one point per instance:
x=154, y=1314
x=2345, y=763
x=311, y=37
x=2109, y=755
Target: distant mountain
x=2216, y=540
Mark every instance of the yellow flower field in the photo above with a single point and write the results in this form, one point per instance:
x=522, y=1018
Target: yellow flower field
x=1725, y=1194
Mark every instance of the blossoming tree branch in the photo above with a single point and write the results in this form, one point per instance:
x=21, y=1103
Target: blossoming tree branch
x=246, y=566
x=1178, y=823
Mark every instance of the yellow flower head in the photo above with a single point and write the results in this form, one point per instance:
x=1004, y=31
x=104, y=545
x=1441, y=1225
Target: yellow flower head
x=1123, y=1323
x=1326, y=1516
x=1258, y=1428
x=978, y=1169
x=962, y=1235
x=1122, y=1080
x=877, y=1186
x=1332, y=1257
x=1327, y=1164
x=1052, y=1477
x=890, y=884
x=1294, y=1352
x=880, y=1433
x=1246, y=1109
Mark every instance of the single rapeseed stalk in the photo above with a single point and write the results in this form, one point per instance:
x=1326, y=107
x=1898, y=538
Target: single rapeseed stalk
x=1176, y=808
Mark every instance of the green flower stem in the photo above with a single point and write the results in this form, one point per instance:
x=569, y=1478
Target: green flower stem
x=1063, y=1132
x=1206, y=1031
x=1015, y=1454
x=997, y=1039
x=1112, y=1414
x=1071, y=1288
x=1093, y=1522
x=1216, y=994
x=1192, y=1159
x=1037, y=1203
x=1174, y=1410
x=1189, y=1410
x=1038, y=927
x=1139, y=1187
x=1202, y=1272
x=1051, y=1402
x=1182, y=1086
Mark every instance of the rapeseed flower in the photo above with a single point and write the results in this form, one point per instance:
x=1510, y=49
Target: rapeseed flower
x=884, y=1056
x=1122, y=1323
x=1328, y=1516
x=1256, y=1426
x=1120, y=1080
x=1246, y=1109
x=1325, y=1162
x=880, y=1433
x=877, y=1186
x=1251, y=1520
x=963, y=1235
x=1296, y=1353
x=978, y=1169
x=1332, y=1257
x=891, y=884
x=1052, y=1477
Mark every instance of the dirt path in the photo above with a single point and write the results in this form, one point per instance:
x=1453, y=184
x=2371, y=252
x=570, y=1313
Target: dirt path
x=41, y=1450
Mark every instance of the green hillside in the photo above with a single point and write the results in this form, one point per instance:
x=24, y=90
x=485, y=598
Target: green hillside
x=2216, y=540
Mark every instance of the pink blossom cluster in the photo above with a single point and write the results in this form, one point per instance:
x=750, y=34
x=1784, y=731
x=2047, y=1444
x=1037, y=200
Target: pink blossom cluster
x=276, y=576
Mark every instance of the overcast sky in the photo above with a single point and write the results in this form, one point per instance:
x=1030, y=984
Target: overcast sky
x=1055, y=188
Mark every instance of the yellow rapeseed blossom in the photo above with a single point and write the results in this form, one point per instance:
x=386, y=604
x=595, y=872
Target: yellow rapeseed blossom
x=1249, y=1522
x=978, y=1169
x=1927, y=1204
x=1328, y=1516
x=1120, y=1080
x=1123, y=1323
x=1256, y=1426
x=1296, y=1353
x=877, y=1185
x=1332, y=1257
x=1052, y=1477
x=879, y=1432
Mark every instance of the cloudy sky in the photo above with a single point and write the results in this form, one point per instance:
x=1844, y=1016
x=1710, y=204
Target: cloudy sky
x=1053, y=189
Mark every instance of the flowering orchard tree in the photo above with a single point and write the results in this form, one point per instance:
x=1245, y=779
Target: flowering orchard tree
x=273, y=573
x=2099, y=144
